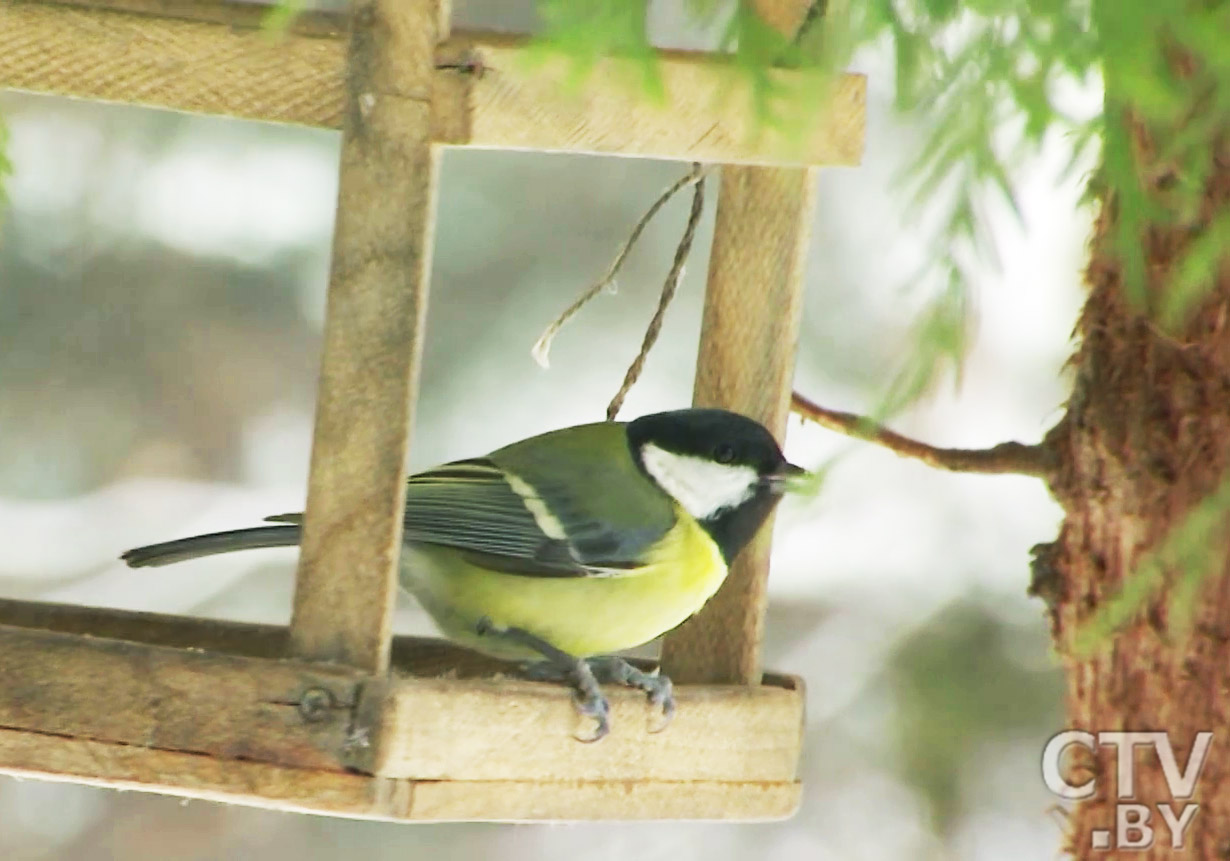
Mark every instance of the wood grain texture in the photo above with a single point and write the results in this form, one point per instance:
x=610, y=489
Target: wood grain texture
x=446, y=713
x=750, y=330
x=195, y=722
x=156, y=629
x=706, y=113
x=45, y=757
x=196, y=66
x=227, y=706
x=374, y=322
x=421, y=656
x=121, y=766
x=234, y=14
x=206, y=56
x=529, y=801
x=488, y=729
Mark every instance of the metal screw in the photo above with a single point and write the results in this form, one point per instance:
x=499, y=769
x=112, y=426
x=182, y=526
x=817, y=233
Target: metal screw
x=315, y=705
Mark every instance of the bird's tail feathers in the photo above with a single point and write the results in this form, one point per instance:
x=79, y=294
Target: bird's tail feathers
x=182, y=549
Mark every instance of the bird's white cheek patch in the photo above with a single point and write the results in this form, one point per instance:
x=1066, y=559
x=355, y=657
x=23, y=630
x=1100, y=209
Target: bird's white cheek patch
x=702, y=487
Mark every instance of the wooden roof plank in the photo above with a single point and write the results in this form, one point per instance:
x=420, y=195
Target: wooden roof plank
x=207, y=57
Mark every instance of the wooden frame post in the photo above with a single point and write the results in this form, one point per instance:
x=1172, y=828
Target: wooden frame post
x=753, y=307
x=347, y=580
x=749, y=336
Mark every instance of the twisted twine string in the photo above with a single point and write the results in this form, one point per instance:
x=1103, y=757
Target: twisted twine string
x=542, y=346
x=668, y=293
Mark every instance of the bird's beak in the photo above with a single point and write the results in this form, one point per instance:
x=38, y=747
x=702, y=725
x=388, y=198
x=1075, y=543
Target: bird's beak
x=787, y=478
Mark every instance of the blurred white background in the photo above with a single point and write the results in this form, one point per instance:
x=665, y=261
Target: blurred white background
x=162, y=285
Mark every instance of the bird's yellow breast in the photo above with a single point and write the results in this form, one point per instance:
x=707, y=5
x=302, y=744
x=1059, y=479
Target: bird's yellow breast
x=583, y=616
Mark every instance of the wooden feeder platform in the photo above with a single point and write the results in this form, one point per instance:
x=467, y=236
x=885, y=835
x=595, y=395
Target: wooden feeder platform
x=333, y=714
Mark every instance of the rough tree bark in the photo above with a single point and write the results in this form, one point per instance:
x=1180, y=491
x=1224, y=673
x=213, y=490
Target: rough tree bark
x=1146, y=437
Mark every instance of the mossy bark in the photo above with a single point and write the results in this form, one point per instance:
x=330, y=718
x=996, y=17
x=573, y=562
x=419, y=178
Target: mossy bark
x=1145, y=439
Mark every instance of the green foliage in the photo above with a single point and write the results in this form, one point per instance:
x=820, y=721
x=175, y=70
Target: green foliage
x=987, y=76
x=1192, y=275
x=585, y=32
x=1164, y=65
x=983, y=75
x=938, y=340
x=280, y=16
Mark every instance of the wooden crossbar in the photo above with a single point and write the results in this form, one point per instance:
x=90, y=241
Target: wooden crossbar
x=443, y=714
x=129, y=705
x=355, y=796
x=208, y=57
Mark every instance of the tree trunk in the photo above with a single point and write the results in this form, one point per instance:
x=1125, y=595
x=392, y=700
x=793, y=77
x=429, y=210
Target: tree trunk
x=1146, y=438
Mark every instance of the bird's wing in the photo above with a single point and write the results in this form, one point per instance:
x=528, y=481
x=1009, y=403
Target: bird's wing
x=572, y=506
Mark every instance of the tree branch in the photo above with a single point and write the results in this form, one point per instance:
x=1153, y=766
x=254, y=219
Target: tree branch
x=1005, y=458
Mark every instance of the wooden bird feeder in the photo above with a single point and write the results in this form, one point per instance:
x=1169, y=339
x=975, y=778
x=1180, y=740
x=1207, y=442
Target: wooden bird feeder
x=333, y=714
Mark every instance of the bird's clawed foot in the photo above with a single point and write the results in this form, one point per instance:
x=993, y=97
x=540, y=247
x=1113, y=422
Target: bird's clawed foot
x=589, y=702
x=608, y=670
x=617, y=671
x=585, y=676
x=559, y=666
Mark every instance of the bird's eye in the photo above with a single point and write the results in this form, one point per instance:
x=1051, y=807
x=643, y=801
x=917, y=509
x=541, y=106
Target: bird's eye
x=724, y=453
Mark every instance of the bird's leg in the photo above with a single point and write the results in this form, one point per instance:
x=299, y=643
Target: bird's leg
x=586, y=694
x=610, y=670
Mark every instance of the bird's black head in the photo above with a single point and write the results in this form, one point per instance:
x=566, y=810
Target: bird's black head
x=724, y=469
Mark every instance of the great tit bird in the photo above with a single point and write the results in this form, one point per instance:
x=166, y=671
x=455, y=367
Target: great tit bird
x=574, y=544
